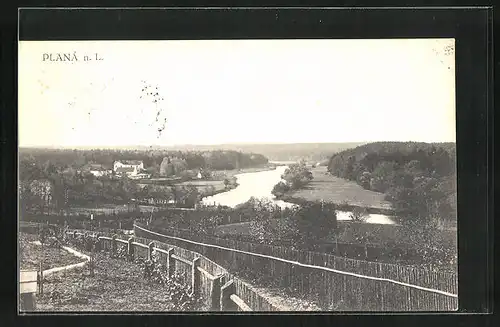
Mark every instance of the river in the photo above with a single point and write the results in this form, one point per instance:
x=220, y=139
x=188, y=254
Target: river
x=260, y=185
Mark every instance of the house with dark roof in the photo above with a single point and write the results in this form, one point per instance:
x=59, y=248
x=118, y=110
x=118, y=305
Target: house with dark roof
x=97, y=170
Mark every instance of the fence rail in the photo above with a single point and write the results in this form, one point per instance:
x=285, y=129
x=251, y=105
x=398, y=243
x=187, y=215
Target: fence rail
x=332, y=287
x=205, y=278
x=423, y=276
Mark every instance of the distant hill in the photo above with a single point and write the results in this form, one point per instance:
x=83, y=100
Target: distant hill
x=279, y=152
x=274, y=152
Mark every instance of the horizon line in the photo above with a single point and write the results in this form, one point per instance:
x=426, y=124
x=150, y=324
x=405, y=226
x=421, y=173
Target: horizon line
x=213, y=145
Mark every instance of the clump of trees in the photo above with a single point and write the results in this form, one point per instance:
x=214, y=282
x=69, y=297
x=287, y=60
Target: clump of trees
x=230, y=182
x=295, y=177
x=301, y=227
x=418, y=178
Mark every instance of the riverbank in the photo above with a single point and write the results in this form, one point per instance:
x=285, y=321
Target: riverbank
x=348, y=195
x=221, y=174
x=215, y=185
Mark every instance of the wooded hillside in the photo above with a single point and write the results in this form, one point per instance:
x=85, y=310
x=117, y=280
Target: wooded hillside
x=418, y=178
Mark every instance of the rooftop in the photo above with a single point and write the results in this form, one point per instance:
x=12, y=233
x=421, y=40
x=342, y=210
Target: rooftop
x=130, y=162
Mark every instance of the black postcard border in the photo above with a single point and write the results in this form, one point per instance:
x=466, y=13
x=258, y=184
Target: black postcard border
x=472, y=29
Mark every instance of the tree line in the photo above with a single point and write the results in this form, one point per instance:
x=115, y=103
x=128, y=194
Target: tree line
x=152, y=159
x=419, y=179
x=53, y=179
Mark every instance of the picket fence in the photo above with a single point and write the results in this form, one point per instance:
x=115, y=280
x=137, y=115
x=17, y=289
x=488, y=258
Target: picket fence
x=218, y=289
x=334, y=283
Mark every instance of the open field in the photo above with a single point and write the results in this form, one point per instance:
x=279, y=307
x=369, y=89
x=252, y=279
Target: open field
x=336, y=190
x=31, y=254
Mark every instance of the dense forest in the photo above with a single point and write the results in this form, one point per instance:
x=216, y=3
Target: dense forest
x=418, y=178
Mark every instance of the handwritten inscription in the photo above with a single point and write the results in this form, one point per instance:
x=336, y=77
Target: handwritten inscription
x=70, y=57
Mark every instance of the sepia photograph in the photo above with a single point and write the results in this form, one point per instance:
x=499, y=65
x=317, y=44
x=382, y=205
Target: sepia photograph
x=237, y=175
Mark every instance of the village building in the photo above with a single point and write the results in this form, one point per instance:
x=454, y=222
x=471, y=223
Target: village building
x=126, y=171
x=129, y=168
x=97, y=170
x=139, y=176
x=137, y=164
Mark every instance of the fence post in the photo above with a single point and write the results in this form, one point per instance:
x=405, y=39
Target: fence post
x=225, y=292
x=130, y=249
x=114, y=244
x=40, y=277
x=98, y=245
x=170, y=263
x=91, y=265
x=195, y=281
x=150, y=252
x=74, y=234
x=215, y=292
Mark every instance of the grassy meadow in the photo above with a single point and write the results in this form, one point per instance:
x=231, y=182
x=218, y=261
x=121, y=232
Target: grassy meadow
x=337, y=190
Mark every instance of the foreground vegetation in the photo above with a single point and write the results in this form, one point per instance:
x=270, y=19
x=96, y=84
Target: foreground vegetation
x=114, y=284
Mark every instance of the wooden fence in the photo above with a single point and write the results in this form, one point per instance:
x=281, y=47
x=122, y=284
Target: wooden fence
x=334, y=283
x=219, y=290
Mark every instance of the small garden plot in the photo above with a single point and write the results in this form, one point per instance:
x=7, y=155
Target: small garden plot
x=31, y=253
x=117, y=285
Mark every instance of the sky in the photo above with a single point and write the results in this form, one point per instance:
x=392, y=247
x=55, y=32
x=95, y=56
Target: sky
x=236, y=91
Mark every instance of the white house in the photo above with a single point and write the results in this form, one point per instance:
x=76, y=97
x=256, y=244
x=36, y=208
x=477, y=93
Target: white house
x=135, y=164
x=128, y=171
